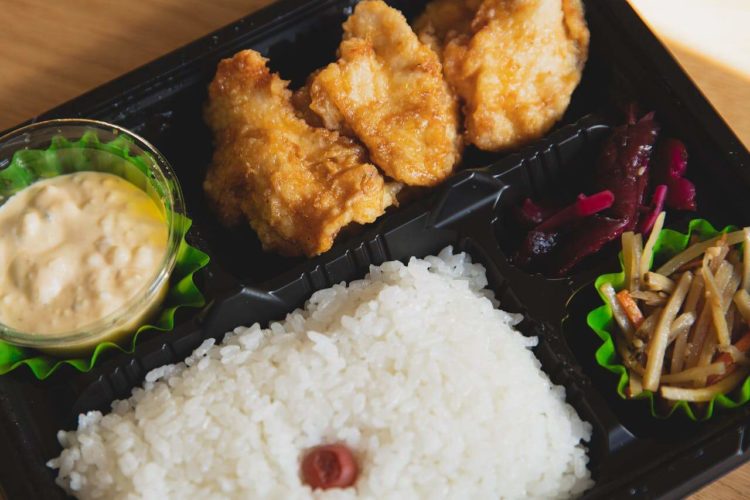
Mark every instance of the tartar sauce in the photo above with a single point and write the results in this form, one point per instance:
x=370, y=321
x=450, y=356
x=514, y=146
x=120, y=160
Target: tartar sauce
x=75, y=248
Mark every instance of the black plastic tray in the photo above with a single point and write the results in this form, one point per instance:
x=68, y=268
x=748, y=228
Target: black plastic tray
x=631, y=453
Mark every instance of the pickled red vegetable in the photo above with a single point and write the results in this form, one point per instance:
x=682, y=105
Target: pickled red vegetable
x=623, y=167
x=670, y=167
x=329, y=466
x=558, y=241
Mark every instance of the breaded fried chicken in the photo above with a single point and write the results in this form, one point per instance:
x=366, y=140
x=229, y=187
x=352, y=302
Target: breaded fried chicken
x=443, y=20
x=297, y=185
x=513, y=63
x=387, y=89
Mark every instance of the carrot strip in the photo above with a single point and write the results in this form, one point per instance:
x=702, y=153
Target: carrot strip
x=630, y=307
x=742, y=345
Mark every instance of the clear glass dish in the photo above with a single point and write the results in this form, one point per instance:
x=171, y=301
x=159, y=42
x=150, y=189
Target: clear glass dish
x=96, y=152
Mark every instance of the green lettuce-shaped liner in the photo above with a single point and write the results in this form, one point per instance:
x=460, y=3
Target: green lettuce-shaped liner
x=668, y=244
x=88, y=153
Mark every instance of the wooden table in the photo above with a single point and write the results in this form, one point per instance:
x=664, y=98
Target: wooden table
x=51, y=51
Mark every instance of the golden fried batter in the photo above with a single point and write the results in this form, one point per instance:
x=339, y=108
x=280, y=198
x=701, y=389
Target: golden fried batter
x=387, y=89
x=514, y=65
x=445, y=19
x=297, y=185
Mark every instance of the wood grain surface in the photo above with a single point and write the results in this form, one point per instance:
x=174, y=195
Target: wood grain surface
x=51, y=51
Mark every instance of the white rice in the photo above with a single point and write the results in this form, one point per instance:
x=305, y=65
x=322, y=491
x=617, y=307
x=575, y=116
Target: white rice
x=412, y=367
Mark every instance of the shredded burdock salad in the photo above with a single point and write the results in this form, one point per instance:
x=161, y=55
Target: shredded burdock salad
x=684, y=328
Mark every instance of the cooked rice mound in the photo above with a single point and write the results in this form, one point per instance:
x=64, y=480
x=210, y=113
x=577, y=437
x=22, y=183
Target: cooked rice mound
x=412, y=367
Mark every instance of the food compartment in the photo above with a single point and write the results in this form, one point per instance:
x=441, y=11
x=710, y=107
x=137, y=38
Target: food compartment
x=553, y=176
x=658, y=451
x=552, y=172
x=164, y=102
x=416, y=231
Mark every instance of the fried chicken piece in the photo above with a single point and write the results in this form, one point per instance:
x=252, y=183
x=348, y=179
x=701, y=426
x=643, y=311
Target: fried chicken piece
x=444, y=19
x=514, y=65
x=297, y=185
x=387, y=89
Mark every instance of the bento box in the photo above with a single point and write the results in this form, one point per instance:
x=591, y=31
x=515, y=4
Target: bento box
x=632, y=454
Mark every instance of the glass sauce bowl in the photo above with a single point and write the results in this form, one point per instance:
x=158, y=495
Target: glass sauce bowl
x=74, y=145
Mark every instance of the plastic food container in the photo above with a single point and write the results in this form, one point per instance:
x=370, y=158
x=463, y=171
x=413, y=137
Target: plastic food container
x=632, y=454
x=87, y=145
